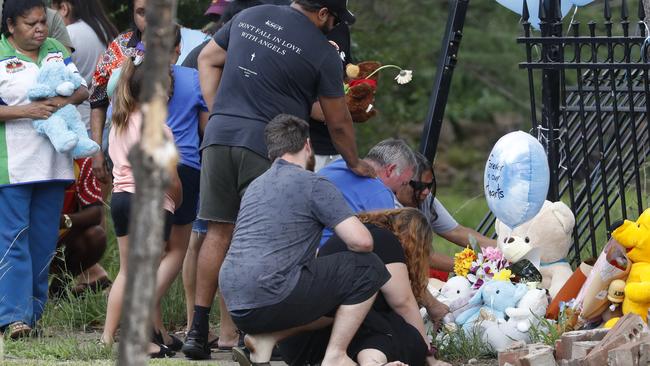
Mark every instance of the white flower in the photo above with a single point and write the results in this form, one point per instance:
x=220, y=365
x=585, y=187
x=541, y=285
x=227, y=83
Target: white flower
x=404, y=77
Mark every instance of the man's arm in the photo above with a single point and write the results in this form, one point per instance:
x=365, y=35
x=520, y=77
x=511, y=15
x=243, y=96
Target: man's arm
x=441, y=262
x=460, y=236
x=211, y=62
x=85, y=218
x=339, y=125
x=354, y=234
x=317, y=112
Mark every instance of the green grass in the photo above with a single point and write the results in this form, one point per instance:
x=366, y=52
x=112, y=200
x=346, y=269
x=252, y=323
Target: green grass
x=62, y=347
x=457, y=345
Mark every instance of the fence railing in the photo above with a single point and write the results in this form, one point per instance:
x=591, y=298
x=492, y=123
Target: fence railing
x=592, y=115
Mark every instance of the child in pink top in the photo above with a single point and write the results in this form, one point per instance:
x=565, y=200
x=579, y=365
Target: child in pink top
x=125, y=133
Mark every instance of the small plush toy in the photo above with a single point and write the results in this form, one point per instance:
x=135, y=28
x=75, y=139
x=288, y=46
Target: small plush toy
x=635, y=237
x=64, y=128
x=456, y=294
x=360, y=90
x=550, y=233
x=501, y=334
x=495, y=296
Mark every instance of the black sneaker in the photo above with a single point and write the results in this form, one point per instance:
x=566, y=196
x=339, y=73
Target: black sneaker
x=196, y=347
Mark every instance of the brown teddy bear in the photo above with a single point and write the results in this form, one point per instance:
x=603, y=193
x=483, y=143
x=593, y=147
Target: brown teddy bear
x=360, y=90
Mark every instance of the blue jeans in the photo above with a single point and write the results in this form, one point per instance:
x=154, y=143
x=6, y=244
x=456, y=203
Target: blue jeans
x=29, y=224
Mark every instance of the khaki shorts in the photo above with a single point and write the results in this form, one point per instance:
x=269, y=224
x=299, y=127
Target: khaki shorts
x=226, y=172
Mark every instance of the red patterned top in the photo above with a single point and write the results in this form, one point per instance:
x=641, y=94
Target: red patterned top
x=85, y=191
x=122, y=47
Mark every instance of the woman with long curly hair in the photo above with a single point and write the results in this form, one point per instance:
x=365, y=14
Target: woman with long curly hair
x=393, y=332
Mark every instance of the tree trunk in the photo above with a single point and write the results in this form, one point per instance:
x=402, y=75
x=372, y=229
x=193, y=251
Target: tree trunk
x=151, y=160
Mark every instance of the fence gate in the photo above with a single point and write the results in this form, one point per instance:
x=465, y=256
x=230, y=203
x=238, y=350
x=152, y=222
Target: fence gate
x=592, y=116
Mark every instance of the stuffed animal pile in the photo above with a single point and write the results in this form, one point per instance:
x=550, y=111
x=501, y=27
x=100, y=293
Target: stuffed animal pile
x=635, y=237
x=65, y=129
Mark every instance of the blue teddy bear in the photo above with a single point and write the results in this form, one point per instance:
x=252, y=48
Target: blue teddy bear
x=64, y=128
x=495, y=296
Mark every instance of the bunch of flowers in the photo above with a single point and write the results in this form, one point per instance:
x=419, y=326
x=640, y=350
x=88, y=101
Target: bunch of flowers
x=488, y=262
x=482, y=266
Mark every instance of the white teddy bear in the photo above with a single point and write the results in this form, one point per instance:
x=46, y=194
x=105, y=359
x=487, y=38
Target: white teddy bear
x=548, y=234
x=501, y=334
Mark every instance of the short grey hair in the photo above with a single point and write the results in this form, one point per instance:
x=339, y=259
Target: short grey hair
x=393, y=151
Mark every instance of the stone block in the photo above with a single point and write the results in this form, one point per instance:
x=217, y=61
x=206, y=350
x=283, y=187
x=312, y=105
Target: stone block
x=539, y=357
x=582, y=348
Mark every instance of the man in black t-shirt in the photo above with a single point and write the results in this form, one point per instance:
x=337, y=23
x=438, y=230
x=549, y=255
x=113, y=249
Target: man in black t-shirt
x=266, y=61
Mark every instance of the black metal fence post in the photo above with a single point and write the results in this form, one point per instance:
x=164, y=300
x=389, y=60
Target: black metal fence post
x=551, y=26
x=444, y=73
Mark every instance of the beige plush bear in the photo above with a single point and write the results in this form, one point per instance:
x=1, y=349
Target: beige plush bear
x=548, y=234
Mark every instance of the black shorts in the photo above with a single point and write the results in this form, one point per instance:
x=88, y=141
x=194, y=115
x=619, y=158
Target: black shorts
x=190, y=177
x=325, y=283
x=226, y=172
x=121, y=214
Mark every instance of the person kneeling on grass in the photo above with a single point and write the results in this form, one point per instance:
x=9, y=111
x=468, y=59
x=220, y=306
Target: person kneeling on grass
x=81, y=235
x=272, y=283
x=393, y=330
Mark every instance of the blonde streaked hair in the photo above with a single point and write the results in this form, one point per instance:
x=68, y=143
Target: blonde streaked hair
x=412, y=230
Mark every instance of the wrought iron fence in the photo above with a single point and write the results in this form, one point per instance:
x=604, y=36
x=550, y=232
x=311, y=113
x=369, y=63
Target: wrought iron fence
x=594, y=116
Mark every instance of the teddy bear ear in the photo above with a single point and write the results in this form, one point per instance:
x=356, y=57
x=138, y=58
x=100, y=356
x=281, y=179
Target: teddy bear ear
x=564, y=215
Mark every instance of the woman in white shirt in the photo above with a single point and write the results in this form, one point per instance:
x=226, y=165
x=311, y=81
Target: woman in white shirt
x=90, y=32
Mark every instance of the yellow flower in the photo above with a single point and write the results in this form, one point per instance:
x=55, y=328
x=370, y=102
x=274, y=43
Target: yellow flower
x=503, y=275
x=463, y=261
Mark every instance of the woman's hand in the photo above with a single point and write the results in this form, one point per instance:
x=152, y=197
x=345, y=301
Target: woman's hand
x=437, y=312
x=59, y=101
x=41, y=109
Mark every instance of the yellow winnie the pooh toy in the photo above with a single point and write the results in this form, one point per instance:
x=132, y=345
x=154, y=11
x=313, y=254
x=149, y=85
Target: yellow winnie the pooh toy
x=635, y=237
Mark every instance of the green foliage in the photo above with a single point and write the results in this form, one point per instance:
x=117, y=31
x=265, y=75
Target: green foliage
x=61, y=348
x=458, y=345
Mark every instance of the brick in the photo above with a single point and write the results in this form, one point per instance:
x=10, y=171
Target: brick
x=511, y=357
x=625, y=355
x=539, y=357
x=581, y=349
x=565, y=345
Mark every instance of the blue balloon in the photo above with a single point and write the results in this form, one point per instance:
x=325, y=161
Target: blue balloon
x=516, y=178
x=533, y=8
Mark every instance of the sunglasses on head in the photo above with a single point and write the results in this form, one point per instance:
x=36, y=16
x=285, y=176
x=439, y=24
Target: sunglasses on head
x=420, y=186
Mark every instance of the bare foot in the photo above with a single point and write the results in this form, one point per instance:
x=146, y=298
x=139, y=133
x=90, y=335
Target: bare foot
x=227, y=339
x=431, y=361
x=261, y=346
x=337, y=360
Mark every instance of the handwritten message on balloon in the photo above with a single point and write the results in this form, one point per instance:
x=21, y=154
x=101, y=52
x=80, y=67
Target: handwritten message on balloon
x=516, y=178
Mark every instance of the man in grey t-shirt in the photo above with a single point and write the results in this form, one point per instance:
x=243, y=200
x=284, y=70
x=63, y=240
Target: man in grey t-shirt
x=271, y=281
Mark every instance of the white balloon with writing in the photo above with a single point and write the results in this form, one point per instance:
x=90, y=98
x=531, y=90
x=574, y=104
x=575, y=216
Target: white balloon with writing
x=516, y=178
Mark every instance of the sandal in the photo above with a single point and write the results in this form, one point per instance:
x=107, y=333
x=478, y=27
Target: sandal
x=242, y=357
x=18, y=330
x=164, y=352
x=175, y=346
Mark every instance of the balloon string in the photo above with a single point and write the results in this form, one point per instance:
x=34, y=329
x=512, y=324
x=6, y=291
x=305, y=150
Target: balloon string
x=646, y=42
x=542, y=132
x=575, y=10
